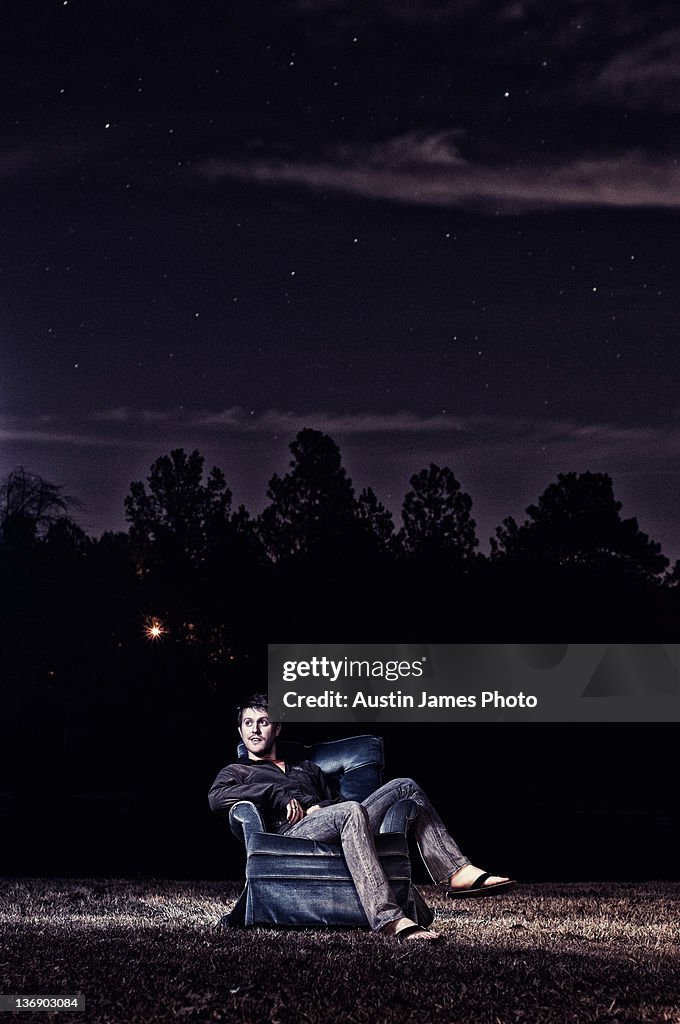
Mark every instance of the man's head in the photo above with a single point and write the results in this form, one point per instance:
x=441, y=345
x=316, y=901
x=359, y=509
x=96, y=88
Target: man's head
x=255, y=729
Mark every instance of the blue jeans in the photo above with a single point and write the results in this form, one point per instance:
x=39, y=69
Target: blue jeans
x=354, y=824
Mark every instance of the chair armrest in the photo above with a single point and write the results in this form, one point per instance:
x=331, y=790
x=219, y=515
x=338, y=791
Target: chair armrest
x=245, y=819
x=400, y=816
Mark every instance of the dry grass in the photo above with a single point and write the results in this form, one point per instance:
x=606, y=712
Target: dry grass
x=143, y=951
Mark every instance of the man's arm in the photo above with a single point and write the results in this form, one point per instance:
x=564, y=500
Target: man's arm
x=329, y=794
x=229, y=787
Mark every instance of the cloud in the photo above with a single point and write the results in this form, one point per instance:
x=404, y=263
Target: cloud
x=91, y=431
x=428, y=169
x=412, y=150
x=277, y=421
x=120, y=428
x=56, y=151
x=61, y=439
x=644, y=71
x=124, y=414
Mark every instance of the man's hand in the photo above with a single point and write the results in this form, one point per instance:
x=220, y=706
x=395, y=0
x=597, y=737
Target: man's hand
x=310, y=810
x=294, y=812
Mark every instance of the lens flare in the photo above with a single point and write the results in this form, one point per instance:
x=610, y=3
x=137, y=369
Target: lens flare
x=154, y=629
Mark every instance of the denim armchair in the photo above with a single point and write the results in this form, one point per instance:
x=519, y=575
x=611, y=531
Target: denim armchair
x=301, y=882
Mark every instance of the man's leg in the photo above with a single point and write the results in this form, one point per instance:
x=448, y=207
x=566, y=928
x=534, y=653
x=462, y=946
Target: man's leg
x=441, y=854
x=348, y=824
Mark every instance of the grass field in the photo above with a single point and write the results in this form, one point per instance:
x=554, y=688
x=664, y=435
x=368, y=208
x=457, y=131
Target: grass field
x=149, y=950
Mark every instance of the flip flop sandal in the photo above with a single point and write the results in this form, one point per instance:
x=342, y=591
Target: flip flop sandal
x=479, y=891
x=411, y=930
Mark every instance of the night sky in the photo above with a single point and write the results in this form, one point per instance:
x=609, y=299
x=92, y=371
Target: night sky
x=439, y=231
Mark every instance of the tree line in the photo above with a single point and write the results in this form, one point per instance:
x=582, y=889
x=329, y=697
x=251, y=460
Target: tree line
x=322, y=556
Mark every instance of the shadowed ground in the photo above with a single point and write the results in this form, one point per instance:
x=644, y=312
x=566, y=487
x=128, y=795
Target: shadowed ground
x=148, y=950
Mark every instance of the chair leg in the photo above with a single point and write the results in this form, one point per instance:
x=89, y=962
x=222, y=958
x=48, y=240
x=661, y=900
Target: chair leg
x=236, y=918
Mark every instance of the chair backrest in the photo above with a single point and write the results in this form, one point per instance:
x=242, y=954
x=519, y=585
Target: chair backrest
x=355, y=765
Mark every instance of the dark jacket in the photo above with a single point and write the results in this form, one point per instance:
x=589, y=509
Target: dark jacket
x=270, y=789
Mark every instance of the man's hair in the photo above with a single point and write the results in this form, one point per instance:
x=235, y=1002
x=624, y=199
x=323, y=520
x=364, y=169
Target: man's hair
x=257, y=701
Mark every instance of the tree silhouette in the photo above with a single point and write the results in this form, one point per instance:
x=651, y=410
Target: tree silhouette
x=312, y=507
x=178, y=512
x=577, y=522
x=437, y=520
x=375, y=519
x=64, y=538
x=30, y=505
x=197, y=561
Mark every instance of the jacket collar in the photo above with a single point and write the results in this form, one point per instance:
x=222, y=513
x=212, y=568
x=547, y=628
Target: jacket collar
x=247, y=760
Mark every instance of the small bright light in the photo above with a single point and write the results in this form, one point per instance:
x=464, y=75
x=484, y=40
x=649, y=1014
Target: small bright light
x=154, y=629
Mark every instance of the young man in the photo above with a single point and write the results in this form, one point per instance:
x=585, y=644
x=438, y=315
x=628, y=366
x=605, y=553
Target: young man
x=296, y=800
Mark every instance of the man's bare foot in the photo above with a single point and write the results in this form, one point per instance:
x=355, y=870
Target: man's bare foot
x=410, y=930
x=465, y=876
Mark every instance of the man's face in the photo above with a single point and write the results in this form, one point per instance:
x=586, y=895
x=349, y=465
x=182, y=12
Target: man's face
x=258, y=733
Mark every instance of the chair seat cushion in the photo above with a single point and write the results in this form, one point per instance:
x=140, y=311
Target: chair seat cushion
x=289, y=860
x=273, y=845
